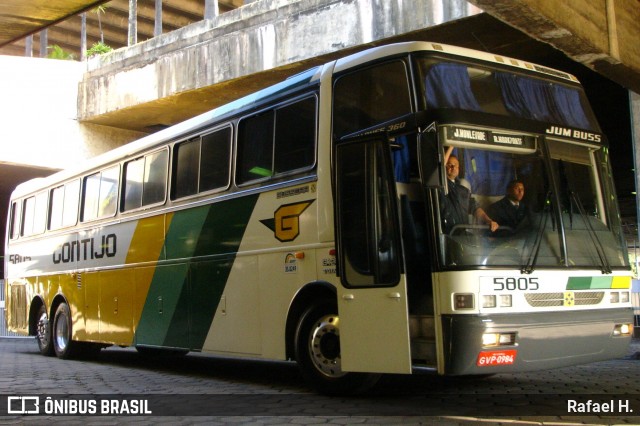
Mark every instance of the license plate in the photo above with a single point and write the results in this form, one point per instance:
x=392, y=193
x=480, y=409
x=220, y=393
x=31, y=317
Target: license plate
x=488, y=358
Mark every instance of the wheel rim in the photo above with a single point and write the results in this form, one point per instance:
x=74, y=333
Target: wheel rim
x=62, y=332
x=324, y=346
x=43, y=330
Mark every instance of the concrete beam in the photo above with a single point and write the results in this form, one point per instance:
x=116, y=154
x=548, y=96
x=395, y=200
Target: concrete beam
x=602, y=35
x=189, y=71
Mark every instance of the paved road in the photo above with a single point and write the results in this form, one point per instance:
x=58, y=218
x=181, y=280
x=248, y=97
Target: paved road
x=259, y=392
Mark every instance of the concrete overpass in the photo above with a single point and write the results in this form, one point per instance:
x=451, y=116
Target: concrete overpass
x=198, y=67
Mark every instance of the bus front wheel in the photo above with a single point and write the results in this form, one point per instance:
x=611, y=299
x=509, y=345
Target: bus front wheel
x=63, y=345
x=317, y=347
x=43, y=332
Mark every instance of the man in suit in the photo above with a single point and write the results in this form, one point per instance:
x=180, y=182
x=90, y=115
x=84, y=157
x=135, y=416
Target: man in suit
x=458, y=203
x=510, y=211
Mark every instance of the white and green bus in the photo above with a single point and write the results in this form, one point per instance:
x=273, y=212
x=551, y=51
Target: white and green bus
x=305, y=222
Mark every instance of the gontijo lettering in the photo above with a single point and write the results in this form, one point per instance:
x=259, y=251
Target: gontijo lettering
x=86, y=249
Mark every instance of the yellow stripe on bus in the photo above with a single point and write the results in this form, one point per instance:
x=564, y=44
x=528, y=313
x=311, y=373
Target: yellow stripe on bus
x=621, y=282
x=148, y=239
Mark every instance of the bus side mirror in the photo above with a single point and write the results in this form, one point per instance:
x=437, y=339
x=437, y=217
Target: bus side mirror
x=430, y=164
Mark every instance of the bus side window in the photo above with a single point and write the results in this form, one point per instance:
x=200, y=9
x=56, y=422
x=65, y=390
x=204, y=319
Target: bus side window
x=185, y=168
x=215, y=160
x=370, y=96
x=275, y=142
x=63, y=209
x=295, y=136
x=255, y=148
x=100, y=194
x=34, y=214
x=15, y=220
x=145, y=180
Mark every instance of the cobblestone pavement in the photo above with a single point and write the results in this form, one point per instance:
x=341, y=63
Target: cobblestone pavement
x=260, y=393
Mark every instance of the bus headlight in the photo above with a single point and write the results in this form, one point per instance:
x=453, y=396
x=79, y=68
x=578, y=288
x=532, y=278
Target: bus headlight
x=488, y=301
x=491, y=301
x=505, y=301
x=614, y=297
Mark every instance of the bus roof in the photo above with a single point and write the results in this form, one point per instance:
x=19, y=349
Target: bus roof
x=414, y=46
x=306, y=78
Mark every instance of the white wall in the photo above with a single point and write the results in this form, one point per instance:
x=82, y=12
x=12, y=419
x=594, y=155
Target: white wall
x=38, y=115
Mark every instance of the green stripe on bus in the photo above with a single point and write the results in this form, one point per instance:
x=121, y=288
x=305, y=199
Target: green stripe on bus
x=587, y=283
x=183, y=298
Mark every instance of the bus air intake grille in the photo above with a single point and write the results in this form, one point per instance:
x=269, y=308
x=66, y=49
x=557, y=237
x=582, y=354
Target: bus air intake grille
x=545, y=300
x=589, y=298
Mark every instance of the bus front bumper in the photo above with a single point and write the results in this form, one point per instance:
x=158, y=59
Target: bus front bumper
x=532, y=341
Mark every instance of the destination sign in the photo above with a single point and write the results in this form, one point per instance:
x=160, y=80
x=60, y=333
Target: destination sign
x=489, y=137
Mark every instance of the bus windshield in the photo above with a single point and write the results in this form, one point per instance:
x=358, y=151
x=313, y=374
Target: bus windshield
x=482, y=89
x=548, y=195
x=539, y=225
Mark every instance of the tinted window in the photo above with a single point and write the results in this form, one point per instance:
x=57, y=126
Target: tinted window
x=295, y=135
x=185, y=173
x=215, y=159
x=276, y=142
x=255, y=147
x=370, y=96
x=202, y=164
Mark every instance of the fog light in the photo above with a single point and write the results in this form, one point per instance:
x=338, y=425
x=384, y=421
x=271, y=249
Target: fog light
x=490, y=339
x=463, y=301
x=622, y=329
x=499, y=339
x=488, y=301
x=505, y=301
x=624, y=297
x=614, y=297
x=507, y=339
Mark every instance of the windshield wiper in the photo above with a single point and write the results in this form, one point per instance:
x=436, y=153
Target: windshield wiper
x=528, y=267
x=604, y=263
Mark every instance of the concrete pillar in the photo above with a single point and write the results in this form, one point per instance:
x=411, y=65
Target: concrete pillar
x=44, y=40
x=157, y=25
x=210, y=9
x=83, y=36
x=28, y=46
x=133, y=23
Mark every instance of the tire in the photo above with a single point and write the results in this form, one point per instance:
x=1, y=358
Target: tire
x=317, y=347
x=62, y=332
x=43, y=332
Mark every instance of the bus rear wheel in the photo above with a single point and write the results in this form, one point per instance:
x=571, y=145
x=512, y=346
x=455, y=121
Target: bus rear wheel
x=317, y=348
x=43, y=332
x=63, y=345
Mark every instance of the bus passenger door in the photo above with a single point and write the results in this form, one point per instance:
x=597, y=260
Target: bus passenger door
x=372, y=300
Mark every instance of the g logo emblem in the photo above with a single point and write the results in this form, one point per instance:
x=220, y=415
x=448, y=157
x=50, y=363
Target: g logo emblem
x=286, y=221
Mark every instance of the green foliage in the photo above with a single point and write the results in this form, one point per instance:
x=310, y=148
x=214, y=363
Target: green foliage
x=98, y=48
x=57, y=52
